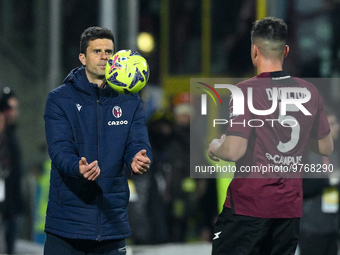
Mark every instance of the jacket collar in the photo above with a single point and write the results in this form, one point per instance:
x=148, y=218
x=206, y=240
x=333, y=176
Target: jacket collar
x=77, y=78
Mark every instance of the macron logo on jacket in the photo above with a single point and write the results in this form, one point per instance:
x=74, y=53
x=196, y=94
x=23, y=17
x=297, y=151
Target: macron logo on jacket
x=78, y=107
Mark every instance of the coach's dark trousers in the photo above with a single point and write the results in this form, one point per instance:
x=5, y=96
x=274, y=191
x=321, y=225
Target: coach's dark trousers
x=56, y=245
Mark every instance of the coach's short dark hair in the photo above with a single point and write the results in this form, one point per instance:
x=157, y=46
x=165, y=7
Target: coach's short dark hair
x=93, y=33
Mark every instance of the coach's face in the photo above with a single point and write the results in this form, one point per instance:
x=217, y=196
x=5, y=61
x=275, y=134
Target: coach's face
x=97, y=54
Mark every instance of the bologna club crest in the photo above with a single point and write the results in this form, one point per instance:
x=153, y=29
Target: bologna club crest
x=117, y=111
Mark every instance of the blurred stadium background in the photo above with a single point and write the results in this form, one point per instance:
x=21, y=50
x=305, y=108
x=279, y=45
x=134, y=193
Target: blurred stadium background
x=181, y=39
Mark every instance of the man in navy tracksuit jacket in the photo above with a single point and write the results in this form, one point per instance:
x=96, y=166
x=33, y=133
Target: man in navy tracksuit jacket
x=91, y=132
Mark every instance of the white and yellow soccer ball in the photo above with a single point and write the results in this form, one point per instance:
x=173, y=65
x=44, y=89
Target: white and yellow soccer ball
x=127, y=71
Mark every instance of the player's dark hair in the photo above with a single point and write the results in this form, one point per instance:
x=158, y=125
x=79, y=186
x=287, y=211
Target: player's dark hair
x=272, y=29
x=93, y=33
x=270, y=34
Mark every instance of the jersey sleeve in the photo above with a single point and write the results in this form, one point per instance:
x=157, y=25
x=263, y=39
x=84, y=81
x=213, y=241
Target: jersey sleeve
x=321, y=126
x=238, y=124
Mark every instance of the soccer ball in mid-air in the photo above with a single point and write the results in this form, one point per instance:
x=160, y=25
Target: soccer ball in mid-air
x=127, y=72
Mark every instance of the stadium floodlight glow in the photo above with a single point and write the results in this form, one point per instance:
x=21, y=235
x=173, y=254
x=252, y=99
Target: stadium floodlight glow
x=145, y=42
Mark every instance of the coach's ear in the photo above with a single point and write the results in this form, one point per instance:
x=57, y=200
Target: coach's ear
x=82, y=58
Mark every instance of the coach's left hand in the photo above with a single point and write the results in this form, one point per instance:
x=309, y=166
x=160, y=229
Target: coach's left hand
x=140, y=163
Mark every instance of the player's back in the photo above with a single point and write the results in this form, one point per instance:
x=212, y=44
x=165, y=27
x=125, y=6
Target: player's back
x=281, y=114
x=267, y=181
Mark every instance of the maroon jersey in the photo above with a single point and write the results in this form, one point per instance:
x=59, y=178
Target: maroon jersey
x=268, y=181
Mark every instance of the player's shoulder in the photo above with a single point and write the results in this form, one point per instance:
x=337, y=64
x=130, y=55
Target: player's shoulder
x=306, y=84
x=250, y=82
x=302, y=81
x=259, y=81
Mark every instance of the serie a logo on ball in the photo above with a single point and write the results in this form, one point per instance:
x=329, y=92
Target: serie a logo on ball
x=127, y=72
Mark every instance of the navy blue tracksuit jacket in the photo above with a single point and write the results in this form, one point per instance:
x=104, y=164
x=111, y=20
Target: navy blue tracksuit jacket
x=82, y=120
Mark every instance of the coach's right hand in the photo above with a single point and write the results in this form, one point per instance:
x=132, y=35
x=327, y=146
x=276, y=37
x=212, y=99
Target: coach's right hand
x=89, y=171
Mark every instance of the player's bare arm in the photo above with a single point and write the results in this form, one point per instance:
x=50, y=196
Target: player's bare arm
x=140, y=163
x=228, y=148
x=89, y=171
x=322, y=146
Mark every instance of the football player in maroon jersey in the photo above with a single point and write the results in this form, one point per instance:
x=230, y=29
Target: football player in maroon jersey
x=264, y=200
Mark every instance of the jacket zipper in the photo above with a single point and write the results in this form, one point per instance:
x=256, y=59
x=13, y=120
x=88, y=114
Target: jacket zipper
x=98, y=239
